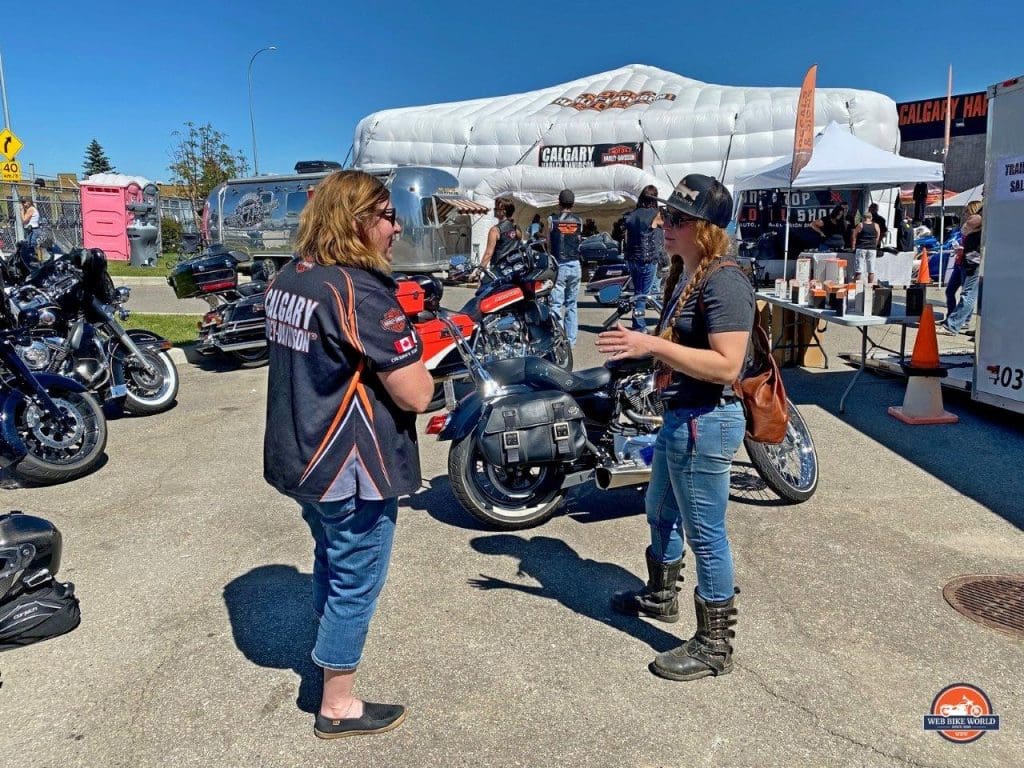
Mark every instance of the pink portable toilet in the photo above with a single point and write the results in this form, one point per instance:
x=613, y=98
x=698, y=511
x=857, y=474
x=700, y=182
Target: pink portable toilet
x=105, y=216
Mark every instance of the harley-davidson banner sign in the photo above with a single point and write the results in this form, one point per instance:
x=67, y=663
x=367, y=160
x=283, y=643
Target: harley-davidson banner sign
x=592, y=155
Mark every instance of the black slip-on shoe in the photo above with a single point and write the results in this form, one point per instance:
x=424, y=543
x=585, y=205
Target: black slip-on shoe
x=377, y=718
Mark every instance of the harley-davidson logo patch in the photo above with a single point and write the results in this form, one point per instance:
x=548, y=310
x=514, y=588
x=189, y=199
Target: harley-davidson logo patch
x=393, y=320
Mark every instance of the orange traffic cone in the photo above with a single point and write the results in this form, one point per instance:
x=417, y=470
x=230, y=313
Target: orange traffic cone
x=923, y=275
x=922, y=403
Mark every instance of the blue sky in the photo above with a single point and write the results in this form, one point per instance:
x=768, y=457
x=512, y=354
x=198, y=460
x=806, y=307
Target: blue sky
x=130, y=78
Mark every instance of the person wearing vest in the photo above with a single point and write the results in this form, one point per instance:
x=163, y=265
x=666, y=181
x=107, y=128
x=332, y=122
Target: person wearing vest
x=699, y=350
x=644, y=251
x=565, y=230
x=866, y=236
x=504, y=236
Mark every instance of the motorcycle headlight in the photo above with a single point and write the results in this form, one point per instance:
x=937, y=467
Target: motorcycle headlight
x=122, y=294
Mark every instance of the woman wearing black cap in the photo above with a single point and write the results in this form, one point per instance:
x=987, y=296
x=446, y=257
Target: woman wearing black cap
x=700, y=348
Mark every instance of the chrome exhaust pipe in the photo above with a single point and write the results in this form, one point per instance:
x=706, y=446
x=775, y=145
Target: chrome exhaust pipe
x=239, y=346
x=622, y=476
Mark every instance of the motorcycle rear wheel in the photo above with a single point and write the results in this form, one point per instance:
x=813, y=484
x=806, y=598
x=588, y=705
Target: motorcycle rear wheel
x=791, y=467
x=560, y=352
x=500, y=498
x=251, y=358
x=54, y=455
x=150, y=393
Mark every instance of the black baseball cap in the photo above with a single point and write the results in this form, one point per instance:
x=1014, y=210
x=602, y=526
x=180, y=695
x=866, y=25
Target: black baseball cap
x=703, y=197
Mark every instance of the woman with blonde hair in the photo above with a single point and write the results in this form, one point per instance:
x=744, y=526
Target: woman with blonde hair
x=700, y=348
x=966, y=272
x=345, y=384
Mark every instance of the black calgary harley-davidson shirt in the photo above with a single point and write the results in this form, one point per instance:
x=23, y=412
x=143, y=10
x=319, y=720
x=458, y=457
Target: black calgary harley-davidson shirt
x=333, y=432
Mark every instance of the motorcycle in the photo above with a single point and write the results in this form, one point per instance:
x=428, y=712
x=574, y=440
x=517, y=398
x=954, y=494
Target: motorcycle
x=51, y=429
x=68, y=313
x=531, y=431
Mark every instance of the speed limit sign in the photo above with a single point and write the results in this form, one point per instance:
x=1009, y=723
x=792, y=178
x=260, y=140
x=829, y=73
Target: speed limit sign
x=10, y=170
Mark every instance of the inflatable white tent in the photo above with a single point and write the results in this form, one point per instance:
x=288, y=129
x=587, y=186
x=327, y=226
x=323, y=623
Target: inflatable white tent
x=658, y=121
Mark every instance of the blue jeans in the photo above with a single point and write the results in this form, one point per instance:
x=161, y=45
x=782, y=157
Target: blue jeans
x=351, y=550
x=30, y=237
x=689, y=492
x=565, y=296
x=968, y=298
x=643, y=274
x=956, y=279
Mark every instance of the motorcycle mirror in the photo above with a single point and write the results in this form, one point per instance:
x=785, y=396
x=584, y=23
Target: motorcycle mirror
x=609, y=294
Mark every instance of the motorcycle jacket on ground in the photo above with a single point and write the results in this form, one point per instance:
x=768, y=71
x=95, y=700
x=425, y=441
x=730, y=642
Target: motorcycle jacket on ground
x=644, y=242
x=566, y=233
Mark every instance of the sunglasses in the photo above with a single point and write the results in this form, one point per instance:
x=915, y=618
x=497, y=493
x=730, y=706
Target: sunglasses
x=389, y=214
x=674, y=218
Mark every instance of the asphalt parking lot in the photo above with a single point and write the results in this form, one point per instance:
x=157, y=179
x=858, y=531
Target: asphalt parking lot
x=194, y=581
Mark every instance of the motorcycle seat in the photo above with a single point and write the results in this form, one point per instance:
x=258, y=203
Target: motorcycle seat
x=538, y=371
x=253, y=288
x=472, y=308
x=630, y=365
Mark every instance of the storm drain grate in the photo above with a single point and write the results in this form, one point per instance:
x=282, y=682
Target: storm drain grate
x=996, y=602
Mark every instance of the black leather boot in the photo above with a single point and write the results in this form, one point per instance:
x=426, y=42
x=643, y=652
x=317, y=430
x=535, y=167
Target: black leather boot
x=659, y=599
x=709, y=651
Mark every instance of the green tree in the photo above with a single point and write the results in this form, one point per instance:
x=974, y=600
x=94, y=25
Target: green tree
x=201, y=159
x=96, y=160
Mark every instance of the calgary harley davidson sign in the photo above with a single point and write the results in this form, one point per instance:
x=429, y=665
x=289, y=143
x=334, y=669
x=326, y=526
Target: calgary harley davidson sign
x=592, y=155
x=612, y=100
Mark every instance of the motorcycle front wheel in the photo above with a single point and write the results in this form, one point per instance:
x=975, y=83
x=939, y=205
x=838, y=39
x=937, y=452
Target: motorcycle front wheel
x=505, y=498
x=58, y=452
x=149, y=392
x=791, y=467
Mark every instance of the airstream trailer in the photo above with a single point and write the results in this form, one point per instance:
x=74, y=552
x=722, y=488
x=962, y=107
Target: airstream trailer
x=260, y=216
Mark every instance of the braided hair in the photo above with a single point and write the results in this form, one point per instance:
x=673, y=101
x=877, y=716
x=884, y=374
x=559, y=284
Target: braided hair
x=712, y=243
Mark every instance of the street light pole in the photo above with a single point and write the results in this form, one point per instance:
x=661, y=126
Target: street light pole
x=252, y=121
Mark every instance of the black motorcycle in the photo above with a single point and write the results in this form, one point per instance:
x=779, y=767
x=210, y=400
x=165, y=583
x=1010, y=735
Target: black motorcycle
x=68, y=311
x=531, y=431
x=51, y=429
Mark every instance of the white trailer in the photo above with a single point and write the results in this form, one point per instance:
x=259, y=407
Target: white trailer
x=999, y=343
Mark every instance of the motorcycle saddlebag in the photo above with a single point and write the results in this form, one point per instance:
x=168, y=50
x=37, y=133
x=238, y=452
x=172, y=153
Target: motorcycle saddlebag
x=204, y=275
x=533, y=428
x=39, y=614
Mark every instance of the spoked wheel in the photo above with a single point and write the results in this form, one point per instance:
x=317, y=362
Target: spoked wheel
x=508, y=498
x=150, y=391
x=791, y=467
x=560, y=352
x=61, y=449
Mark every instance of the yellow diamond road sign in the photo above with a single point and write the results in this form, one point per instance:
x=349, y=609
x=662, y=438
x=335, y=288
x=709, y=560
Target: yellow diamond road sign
x=10, y=145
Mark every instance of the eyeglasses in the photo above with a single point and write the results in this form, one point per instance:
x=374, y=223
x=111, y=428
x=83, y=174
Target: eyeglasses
x=676, y=219
x=388, y=214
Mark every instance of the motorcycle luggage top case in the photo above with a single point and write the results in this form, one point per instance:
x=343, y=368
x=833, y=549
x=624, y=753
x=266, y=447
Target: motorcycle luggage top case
x=204, y=275
x=533, y=428
x=411, y=297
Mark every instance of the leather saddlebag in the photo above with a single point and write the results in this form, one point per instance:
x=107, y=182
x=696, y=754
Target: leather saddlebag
x=533, y=428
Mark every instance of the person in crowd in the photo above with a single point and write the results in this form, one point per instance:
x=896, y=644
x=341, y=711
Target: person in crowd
x=969, y=260
x=503, y=237
x=345, y=384
x=536, y=229
x=619, y=231
x=879, y=221
x=904, y=233
x=956, y=271
x=29, y=221
x=865, y=237
x=644, y=251
x=565, y=232
x=589, y=228
x=700, y=348
x=833, y=228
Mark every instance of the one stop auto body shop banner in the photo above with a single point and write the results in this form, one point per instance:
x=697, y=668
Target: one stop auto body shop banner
x=764, y=211
x=591, y=155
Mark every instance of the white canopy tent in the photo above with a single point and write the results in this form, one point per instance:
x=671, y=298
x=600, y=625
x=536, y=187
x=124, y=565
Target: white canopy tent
x=961, y=199
x=840, y=161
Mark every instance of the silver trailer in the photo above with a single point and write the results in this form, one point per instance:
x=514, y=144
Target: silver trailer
x=260, y=215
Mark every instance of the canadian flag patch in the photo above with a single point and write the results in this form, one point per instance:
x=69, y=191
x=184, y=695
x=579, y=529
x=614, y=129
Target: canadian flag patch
x=405, y=344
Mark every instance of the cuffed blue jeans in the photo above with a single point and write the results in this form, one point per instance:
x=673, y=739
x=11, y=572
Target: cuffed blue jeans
x=351, y=550
x=643, y=274
x=968, y=298
x=689, y=492
x=565, y=297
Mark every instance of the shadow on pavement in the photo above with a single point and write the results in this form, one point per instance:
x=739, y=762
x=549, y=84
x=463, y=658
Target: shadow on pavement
x=435, y=497
x=273, y=624
x=583, y=586
x=980, y=457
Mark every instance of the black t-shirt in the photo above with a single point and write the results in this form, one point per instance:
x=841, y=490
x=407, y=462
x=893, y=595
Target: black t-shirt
x=728, y=304
x=333, y=431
